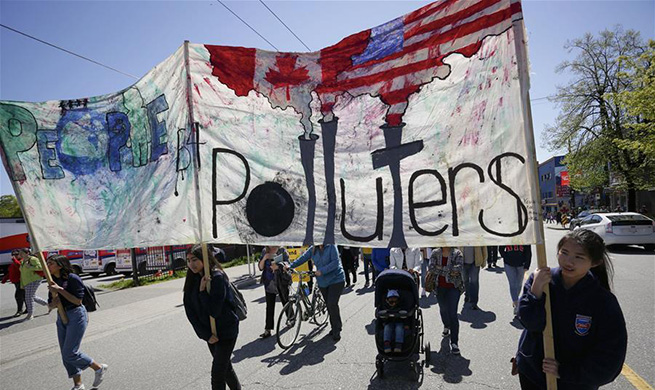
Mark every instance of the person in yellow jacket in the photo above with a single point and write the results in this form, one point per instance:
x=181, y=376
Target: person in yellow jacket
x=30, y=281
x=475, y=257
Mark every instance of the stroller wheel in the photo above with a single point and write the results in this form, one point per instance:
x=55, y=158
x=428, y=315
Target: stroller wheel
x=428, y=354
x=379, y=365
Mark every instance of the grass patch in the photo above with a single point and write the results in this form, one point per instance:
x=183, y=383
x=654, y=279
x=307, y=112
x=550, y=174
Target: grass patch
x=240, y=260
x=128, y=282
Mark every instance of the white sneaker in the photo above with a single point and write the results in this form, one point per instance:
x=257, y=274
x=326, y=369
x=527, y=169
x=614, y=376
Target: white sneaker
x=454, y=349
x=29, y=317
x=80, y=387
x=100, y=374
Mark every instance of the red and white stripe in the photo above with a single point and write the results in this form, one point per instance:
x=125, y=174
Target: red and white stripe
x=432, y=33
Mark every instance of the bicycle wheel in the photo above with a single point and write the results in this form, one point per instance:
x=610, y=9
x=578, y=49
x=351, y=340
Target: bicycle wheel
x=320, y=310
x=288, y=327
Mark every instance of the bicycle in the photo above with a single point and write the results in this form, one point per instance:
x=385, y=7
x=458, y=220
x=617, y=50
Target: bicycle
x=298, y=309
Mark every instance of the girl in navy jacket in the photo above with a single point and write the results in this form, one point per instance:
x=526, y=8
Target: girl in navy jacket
x=199, y=305
x=588, y=325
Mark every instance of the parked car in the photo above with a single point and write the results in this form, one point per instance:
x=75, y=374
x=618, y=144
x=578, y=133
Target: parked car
x=575, y=222
x=622, y=228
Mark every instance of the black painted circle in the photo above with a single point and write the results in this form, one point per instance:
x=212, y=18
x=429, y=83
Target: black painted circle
x=269, y=209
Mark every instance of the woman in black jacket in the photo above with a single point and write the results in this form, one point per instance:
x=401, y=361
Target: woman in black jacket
x=200, y=305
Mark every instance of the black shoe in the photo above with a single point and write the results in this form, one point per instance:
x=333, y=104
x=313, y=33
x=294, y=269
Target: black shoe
x=336, y=336
x=474, y=307
x=266, y=334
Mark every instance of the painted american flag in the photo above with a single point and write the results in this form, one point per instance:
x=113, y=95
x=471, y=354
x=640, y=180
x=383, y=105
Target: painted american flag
x=391, y=61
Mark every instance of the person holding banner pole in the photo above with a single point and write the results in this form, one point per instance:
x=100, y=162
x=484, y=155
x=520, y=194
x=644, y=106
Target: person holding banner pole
x=207, y=298
x=592, y=339
x=67, y=288
x=30, y=281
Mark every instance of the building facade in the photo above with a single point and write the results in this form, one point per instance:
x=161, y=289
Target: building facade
x=554, y=185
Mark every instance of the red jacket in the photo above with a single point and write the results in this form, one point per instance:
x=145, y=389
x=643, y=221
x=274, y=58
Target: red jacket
x=14, y=272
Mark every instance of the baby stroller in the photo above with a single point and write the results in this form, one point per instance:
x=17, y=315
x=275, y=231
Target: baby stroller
x=408, y=308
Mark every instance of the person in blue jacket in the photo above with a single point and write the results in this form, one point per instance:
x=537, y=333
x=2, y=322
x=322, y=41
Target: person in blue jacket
x=588, y=325
x=330, y=278
x=200, y=304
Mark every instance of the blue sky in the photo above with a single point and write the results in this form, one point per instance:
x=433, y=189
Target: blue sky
x=134, y=36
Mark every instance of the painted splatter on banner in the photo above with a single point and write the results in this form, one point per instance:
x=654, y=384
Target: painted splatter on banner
x=407, y=134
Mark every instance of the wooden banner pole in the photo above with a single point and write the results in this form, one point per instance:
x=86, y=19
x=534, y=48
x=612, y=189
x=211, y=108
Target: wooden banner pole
x=194, y=130
x=533, y=174
x=205, y=255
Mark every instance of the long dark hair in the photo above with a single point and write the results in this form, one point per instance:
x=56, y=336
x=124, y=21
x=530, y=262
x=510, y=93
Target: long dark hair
x=196, y=250
x=594, y=247
x=64, y=263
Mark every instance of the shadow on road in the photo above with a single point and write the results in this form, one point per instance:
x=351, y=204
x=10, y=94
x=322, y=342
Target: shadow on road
x=254, y=348
x=11, y=320
x=313, y=352
x=496, y=270
x=452, y=368
x=370, y=328
x=428, y=301
x=365, y=290
x=478, y=318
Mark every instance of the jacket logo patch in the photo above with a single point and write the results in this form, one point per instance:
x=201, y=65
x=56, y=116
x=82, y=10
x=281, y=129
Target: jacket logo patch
x=582, y=325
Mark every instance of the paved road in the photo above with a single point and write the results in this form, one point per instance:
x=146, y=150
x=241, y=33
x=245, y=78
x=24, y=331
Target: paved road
x=144, y=336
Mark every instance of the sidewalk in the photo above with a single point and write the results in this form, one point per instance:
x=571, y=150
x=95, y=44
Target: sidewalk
x=30, y=344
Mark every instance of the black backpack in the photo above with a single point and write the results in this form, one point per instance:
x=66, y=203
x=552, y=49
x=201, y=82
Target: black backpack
x=89, y=299
x=236, y=298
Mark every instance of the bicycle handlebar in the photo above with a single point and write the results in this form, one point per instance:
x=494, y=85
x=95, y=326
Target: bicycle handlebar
x=301, y=273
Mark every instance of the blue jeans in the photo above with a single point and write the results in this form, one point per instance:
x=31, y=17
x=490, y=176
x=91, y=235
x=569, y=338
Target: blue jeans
x=424, y=270
x=448, y=299
x=515, y=278
x=70, y=338
x=396, y=331
x=471, y=275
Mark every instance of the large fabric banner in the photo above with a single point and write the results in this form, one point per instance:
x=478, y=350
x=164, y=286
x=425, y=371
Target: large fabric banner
x=408, y=134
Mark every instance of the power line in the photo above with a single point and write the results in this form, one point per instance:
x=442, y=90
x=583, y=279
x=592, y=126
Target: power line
x=68, y=51
x=284, y=24
x=244, y=22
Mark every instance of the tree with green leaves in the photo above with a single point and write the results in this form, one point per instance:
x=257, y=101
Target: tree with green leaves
x=9, y=207
x=639, y=102
x=592, y=125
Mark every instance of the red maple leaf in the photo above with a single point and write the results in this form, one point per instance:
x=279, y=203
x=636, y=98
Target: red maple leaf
x=287, y=74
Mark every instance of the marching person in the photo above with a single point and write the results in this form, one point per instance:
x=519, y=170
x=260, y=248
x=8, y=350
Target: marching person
x=271, y=282
x=13, y=276
x=330, y=278
x=447, y=263
x=380, y=257
x=588, y=326
x=199, y=305
x=30, y=281
x=69, y=291
x=517, y=260
x=366, y=259
x=474, y=259
x=349, y=258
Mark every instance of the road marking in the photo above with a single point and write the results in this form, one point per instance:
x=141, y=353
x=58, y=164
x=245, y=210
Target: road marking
x=638, y=382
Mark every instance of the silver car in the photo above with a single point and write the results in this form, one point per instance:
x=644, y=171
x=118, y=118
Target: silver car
x=622, y=228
